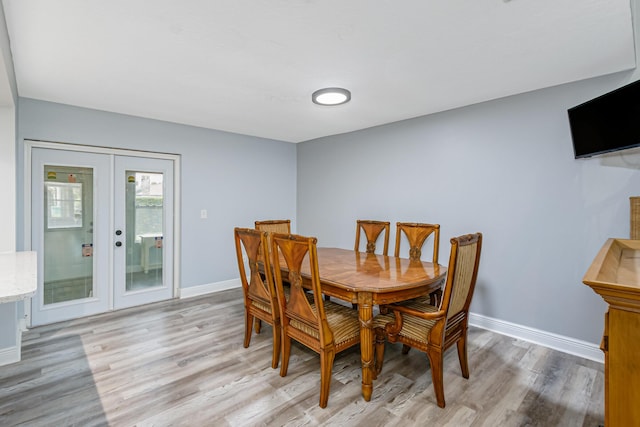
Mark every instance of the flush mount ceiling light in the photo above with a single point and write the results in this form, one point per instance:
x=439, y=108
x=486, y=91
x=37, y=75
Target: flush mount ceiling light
x=331, y=96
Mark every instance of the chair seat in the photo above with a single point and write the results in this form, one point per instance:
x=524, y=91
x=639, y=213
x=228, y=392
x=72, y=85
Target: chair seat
x=419, y=302
x=342, y=320
x=414, y=328
x=422, y=303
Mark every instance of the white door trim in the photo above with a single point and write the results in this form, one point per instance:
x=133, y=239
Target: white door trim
x=29, y=144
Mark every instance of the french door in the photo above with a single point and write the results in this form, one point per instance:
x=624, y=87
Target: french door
x=102, y=225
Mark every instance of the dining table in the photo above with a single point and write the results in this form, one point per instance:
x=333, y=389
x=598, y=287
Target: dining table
x=368, y=280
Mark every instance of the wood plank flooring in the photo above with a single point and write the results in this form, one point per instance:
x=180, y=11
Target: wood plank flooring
x=181, y=363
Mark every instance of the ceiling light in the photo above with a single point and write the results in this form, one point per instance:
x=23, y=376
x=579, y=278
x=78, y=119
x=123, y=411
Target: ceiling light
x=331, y=96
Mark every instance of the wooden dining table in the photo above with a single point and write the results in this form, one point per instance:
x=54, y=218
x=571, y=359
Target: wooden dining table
x=368, y=280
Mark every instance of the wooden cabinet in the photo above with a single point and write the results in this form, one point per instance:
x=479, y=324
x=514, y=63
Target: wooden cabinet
x=615, y=276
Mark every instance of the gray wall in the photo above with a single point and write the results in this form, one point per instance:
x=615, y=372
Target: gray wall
x=8, y=97
x=504, y=168
x=232, y=176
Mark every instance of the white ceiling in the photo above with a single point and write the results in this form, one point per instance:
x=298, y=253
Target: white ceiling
x=250, y=66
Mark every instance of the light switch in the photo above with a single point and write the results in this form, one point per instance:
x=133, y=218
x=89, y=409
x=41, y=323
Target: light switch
x=203, y=214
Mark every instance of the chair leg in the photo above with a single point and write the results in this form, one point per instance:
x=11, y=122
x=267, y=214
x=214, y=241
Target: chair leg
x=248, y=328
x=435, y=297
x=435, y=359
x=286, y=352
x=257, y=325
x=462, y=355
x=405, y=349
x=326, y=365
x=275, y=358
x=378, y=352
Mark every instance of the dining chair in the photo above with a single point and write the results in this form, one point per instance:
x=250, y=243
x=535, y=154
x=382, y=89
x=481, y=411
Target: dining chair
x=417, y=234
x=260, y=300
x=274, y=225
x=372, y=231
x=323, y=326
x=434, y=329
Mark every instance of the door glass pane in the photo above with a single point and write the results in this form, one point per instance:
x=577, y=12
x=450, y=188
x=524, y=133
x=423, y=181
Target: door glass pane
x=64, y=204
x=144, y=229
x=68, y=233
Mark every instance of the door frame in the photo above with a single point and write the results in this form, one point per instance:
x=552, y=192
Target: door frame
x=29, y=144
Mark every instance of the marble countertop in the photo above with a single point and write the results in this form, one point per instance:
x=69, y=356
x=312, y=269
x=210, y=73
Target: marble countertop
x=18, y=275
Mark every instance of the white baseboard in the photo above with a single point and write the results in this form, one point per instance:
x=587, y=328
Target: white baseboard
x=557, y=342
x=194, y=291
x=9, y=355
x=22, y=327
x=12, y=354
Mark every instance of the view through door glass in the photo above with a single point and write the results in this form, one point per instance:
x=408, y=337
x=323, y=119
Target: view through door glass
x=144, y=229
x=68, y=234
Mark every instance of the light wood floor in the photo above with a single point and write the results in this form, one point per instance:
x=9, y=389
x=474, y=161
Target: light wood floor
x=182, y=363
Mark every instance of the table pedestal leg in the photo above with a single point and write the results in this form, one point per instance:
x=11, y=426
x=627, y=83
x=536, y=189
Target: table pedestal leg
x=365, y=314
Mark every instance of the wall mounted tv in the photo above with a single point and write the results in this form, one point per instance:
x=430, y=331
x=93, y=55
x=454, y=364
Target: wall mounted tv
x=610, y=122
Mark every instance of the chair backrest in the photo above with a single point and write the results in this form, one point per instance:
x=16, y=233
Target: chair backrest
x=461, y=274
x=372, y=230
x=417, y=234
x=290, y=251
x=253, y=284
x=275, y=226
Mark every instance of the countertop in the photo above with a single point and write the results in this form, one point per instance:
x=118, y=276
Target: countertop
x=18, y=275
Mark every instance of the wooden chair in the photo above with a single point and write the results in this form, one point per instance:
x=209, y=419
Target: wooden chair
x=417, y=234
x=272, y=226
x=260, y=300
x=435, y=329
x=275, y=226
x=372, y=230
x=323, y=326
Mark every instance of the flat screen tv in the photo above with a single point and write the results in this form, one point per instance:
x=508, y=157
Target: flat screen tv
x=610, y=122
